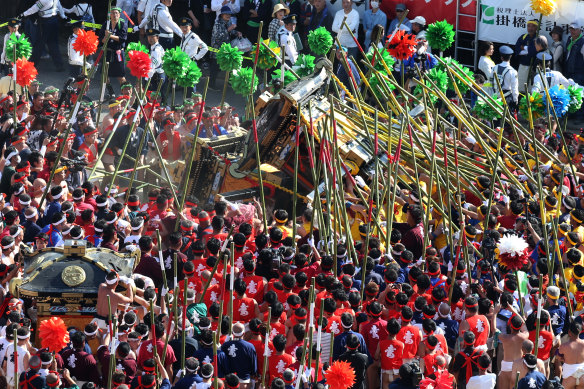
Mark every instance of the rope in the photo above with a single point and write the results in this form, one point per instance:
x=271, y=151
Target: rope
x=306, y=199
x=343, y=87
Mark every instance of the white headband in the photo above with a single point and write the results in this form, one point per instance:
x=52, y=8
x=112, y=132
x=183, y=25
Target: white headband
x=206, y=376
x=22, y=337
x=58, y=196
x=80, y=236
x=239, y=334
x=91, y=333
x=9, y=156
x=112, y=221
x=341, y=256
x=138, y=226
x=62, y=220
x=19, y=191
x=25, y=202
x=78, y=198
x=113, y=190
x=98, y=229
x=101, y=204
x=530, y=366
x=111, y=282
x=66, y=230
x=8, y=246
x=16, y=233
x=33, y=214
x=414, y=197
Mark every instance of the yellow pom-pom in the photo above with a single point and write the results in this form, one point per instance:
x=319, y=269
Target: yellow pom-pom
x=544, y=7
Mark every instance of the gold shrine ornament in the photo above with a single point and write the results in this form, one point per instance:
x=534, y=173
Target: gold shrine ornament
x=73, y=275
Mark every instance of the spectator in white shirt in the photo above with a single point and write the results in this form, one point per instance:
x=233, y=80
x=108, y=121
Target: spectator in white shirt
x=161, y=20
x=484, y=380
x=344, y=35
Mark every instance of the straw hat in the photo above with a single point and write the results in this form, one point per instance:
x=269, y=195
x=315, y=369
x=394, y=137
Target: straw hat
x=280, y=7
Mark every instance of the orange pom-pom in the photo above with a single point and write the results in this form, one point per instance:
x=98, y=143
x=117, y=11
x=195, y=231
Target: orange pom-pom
x=85, y=43
x=139, y=63
x=340, y=375
x=53, y=334
x=25, y=72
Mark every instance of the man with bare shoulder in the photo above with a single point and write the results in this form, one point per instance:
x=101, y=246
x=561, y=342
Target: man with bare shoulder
x=572, y=351
x=511, y=343
x=519, y=365
x=118, y=300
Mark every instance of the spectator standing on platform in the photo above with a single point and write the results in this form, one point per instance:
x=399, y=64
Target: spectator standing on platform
x=351, y=18
x=525, y=50
x=371, y=18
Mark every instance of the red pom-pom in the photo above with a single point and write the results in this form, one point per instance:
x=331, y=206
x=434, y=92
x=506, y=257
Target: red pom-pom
x=340, y=375
x=402, y=46
x=85, y=43
x=53, y=334
x=139, y=63
x=25, y=72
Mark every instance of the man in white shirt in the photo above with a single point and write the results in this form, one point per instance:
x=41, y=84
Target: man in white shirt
x=484, y=380
x=507, y=77
x=344, y=35
x=161, y=20
x=144, y=9
x=286, y=39
x=156, y=73
x=191, y=42
x=551, y=77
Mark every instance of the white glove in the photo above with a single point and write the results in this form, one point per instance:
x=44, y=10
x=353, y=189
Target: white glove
x=360, y=181
x=310, y=242
x=522, y=178
x=164, y=291
x=523, y=52
x=450, y=267
x=419, y=262
x=179, y=373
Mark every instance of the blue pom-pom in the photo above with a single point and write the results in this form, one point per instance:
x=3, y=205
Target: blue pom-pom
x=560, y=98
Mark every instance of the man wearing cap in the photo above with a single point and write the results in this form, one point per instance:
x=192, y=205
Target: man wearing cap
x=557, y=312
x=241, y=356
x=233, y=5
x=156, y=73
x=400, y=15
x=223, y=32
x=115, y=33
x=507, y=76
x=551, y=77
x=286, y=38
x=525, y=49
x=161, y=20
x=351, y=17
x=13, y=25
x=191, y=43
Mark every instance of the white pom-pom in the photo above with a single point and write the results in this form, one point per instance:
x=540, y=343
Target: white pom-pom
x=512, y=245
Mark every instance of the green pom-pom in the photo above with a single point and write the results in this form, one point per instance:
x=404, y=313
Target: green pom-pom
x=304, y=65
x=483, y=111
x=440, y=35
x=241, y=82
x=375, y=81
x=229, y=58
x=320, y=41
x=135, y=46
x=265, y=59
x=439, y=78
x=576, y=94
x=537, y=106
x=464, y=72
x=191, y=77
x=22, y=45
x=175, y=63
x=377, y=62
x=288, y=76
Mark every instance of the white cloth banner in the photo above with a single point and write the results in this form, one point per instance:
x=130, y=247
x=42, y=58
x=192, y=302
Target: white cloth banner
x=505, y=21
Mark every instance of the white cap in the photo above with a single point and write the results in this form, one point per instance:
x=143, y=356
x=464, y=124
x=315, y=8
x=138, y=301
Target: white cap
x=420, y=20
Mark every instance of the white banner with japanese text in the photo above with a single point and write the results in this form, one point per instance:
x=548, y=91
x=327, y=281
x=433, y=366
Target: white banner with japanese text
x=504, y=21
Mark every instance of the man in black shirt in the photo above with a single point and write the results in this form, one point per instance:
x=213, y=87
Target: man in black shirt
x=359, y=361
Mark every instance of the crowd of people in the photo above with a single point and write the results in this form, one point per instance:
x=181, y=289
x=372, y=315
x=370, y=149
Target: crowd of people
x=266, y=301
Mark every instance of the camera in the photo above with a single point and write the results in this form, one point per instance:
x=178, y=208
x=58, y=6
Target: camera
x=77, y=164
x=417, y=375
